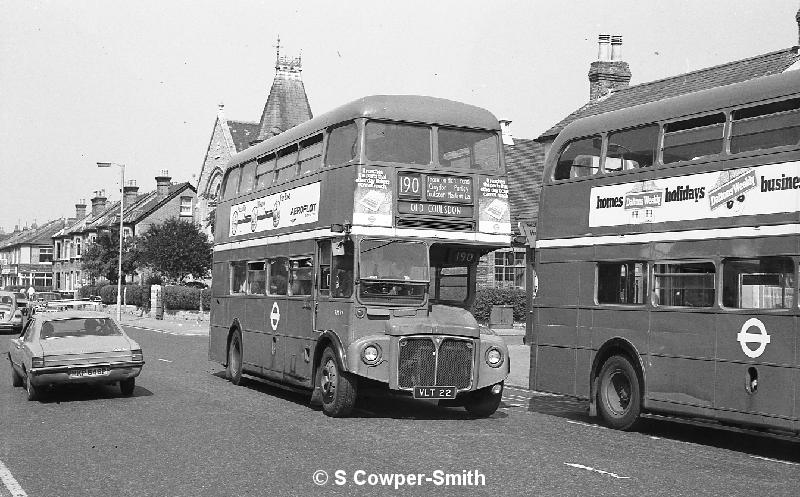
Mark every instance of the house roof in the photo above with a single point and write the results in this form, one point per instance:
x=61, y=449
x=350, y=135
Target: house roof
x=702, y=79
x=243, y=133
x=40, y=235
x=524, y=163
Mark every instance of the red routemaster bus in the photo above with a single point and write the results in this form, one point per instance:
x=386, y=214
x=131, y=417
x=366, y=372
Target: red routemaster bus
x=667, y=259
x=346, y=251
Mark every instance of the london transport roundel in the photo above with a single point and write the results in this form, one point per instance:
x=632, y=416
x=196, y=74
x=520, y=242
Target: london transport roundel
x=744, y=337
x=274, y=316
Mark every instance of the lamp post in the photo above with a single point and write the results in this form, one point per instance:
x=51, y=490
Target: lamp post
x=121, y=211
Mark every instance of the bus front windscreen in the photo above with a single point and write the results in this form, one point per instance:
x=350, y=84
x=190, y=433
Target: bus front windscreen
x=393, y=271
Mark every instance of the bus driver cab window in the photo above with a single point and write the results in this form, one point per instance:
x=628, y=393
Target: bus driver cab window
x=342, y=268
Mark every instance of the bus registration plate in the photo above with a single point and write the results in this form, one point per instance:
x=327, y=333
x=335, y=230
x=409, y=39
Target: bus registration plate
x=434, y=392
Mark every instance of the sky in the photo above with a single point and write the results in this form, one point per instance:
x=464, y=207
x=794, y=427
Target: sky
x=139, y=83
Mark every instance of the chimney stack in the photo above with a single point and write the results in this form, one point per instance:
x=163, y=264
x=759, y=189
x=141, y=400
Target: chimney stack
x=163, y=182
x=98, y=202
x=608, y=73
x=130, y=191
x=80, y=209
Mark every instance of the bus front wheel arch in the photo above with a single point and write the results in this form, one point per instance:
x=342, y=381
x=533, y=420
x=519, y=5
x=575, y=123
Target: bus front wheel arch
x=618, y=396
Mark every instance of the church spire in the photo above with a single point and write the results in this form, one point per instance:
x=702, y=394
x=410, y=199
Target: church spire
x=287, y=103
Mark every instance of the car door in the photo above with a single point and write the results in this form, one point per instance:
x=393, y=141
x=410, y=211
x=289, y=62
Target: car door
x=20, y=350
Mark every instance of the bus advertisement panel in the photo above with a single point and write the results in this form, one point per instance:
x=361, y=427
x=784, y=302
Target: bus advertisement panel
x=346, y=254
x=667, y=259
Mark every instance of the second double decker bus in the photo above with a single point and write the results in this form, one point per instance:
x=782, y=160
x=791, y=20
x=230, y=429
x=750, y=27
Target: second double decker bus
x=667, y=259
x=346, y=251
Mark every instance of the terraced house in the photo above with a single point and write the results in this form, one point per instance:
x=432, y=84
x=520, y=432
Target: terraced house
x=26, y=256
x=140, y=211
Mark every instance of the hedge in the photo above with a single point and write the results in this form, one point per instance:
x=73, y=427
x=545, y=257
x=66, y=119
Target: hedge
x=486, y=297
x=176, y=298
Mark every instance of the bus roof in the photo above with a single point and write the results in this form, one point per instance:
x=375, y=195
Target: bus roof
x=408, y=108
x=751, y=91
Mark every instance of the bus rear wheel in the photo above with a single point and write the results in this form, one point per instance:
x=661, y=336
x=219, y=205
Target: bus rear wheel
x=338, y=387
x=234, y=369
x=483, y=403
x=619, y=399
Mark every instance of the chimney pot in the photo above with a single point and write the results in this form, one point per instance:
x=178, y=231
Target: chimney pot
x=616, y=47
x=603, y=47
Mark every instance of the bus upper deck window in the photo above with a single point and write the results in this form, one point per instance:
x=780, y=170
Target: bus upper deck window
x=391, y=142
x=693, y=138
x=468, y=149
x=631, y=149
x=579, y=158
x=248, y=178
x=342, y=144
x=310, y=155
x=231, y=183
x=264, y=174
x=776, y=124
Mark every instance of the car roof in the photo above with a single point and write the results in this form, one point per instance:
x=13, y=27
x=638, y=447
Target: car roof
x=59, y=315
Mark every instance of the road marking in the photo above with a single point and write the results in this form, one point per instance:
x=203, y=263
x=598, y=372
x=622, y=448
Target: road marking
x=165, y=332
x=164, y=360
x=775, y=460
x=587, y=468
x=10, y=482
x=586, y=424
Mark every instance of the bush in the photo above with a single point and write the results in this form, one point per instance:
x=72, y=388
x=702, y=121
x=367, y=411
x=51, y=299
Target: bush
x=182, y=298
x=485, y=298
x=88, y=291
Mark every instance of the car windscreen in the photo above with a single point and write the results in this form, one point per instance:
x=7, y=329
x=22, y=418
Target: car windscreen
x=79, y=327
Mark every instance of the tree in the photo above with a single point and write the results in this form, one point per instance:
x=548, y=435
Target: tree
x=101, y=258
x=175, y=249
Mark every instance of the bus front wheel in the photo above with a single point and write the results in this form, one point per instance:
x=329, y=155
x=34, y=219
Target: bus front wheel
x=234, y=369
x=618, y=395
x=338, y=387
x=483, y=403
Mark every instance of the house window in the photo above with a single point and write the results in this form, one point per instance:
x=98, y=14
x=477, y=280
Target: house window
x=186, y=206
x=45, y=254
x=509, y=268
x=77, y=247
x=127, y=232
x=58, y=250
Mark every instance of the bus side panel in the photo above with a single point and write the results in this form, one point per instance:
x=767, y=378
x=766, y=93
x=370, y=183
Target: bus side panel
x=555, y=369
x=681, y=358
x=758, y=385
x=631, y=323
x=219, y=323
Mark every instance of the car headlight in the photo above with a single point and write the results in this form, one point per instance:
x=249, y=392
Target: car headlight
x=371, y=354
x=136, y=355
x=494, y=357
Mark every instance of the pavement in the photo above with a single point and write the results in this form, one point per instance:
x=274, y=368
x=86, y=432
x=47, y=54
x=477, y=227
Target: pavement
x=519, y=354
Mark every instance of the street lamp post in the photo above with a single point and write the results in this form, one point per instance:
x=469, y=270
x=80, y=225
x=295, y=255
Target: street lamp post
x=121, y=211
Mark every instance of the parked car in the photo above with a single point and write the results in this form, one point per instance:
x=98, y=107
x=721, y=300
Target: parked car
x=22, y=303
x=11, y=316
x=43, y=300
x=69, y=347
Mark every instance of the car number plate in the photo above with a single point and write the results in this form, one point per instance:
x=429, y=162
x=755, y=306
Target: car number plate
x=434, y=392
x=80, y=373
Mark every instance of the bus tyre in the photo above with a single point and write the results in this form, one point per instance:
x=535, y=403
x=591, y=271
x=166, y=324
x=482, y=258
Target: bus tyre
x=618, y=395
x=234, y=369
x=127, y=386
x=483, y=403
x=338, y=387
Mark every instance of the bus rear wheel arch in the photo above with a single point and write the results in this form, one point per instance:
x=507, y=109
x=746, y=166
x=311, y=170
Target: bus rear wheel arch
x=618, y=396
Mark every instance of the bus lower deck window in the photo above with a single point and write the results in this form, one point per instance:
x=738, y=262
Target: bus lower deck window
x=684, y=284
x=621, y=282
x=763, y=283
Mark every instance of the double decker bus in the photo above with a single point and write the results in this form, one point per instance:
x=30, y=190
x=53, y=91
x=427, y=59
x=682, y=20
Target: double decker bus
x=346, y=253
x=667, y=259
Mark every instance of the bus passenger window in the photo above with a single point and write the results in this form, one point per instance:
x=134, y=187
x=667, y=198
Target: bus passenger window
x=631, y=149
x=765, y=283
x=256, y=280
x=342, y=144
x=278, y=276
x=406, y=143
x=468, y=149
x=693, y=138
x=766, y=126
x=310, y=156
x=286, y=166
x=621, y=282
x=248, y=178
x=301, y=275
x=580, y=158
x=264, y=174
x=238, y=275
x=688, y=284
x=231, y=183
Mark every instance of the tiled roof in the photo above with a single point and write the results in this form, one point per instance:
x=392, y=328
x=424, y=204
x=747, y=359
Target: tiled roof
x=711, y=77
x=34, y=236
x=524, y=162
x=243, y=133
x=286, y=107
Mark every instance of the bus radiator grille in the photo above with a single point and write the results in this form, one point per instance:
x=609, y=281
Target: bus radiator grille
x=420, y=364
x=454, y=364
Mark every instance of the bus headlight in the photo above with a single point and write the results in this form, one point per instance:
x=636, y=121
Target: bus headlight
x=494, y=357
x=371, y=354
